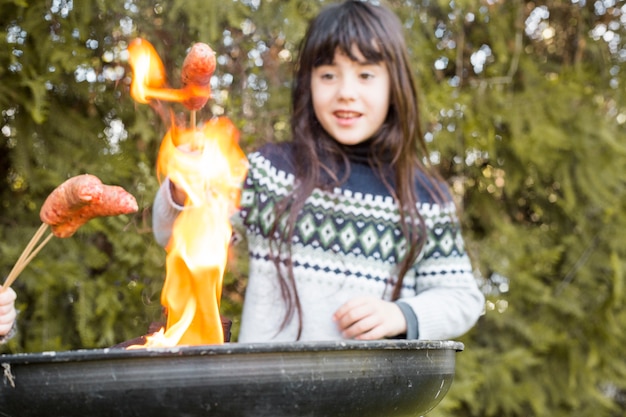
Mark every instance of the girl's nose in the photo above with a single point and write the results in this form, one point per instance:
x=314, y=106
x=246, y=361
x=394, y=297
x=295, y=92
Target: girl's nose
x=347, y=88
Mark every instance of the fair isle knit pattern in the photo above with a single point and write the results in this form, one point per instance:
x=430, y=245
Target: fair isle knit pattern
x=346, y=223
x=347, y=243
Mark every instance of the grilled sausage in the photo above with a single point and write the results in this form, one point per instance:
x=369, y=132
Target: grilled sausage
x=198, y=67
x=80, y=199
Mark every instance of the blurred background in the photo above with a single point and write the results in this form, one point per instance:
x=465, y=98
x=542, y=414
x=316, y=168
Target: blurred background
x=524, y=112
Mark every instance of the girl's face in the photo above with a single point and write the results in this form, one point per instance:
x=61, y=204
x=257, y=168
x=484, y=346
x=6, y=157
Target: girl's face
x=350, y=98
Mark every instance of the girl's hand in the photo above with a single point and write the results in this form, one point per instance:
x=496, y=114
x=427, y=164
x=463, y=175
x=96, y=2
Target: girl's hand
x=7, y=310
x=179, y=196
x=369, y=318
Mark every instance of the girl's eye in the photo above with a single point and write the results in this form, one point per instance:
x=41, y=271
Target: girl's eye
x=366, y=75
x=324, y=72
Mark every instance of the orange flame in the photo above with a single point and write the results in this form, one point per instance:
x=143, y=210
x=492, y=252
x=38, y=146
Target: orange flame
x=149, y=80
x=208, y=164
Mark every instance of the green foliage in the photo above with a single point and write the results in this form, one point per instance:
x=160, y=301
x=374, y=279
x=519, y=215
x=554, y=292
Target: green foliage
x=524, y=116
x=536, y=155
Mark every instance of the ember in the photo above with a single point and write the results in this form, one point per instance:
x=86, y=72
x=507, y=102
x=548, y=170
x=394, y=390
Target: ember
x=209, y=166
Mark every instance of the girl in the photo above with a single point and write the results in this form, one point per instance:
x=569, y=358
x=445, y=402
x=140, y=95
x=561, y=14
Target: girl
x=349, y=233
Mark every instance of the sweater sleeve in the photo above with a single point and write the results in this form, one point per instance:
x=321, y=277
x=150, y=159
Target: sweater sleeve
x=412, y=331
x=164, y=213
x=447, y=300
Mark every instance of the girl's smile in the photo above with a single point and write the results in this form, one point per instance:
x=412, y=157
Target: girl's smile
x=346, y=118
x=351, y=98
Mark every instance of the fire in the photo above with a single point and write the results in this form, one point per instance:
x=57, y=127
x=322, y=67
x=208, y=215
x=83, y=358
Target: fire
x=149, y=80
x=208, y=164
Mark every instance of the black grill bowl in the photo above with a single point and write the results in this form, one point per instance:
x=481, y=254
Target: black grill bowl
x=348, y=378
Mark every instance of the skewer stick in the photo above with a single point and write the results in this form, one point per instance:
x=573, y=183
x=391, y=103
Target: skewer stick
x=31, y=244
x=26, y=261
x=27, y=254
x=192, y=120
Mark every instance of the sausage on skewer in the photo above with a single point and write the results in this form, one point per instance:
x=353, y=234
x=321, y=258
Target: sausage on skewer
x=80, y=199
x=198, y=67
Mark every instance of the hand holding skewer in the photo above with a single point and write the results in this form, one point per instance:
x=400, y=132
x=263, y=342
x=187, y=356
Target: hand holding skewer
x=72, y=204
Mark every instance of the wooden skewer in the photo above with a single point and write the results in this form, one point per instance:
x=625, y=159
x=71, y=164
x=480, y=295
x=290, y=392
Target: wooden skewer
x=192, y=120
x=33, y=241
x=28, y=254
x=18, y=271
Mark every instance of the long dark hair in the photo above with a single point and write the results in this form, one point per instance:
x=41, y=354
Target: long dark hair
x=378, y=34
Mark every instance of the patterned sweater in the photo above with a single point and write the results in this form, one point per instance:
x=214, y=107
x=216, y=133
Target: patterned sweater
x=347, y=244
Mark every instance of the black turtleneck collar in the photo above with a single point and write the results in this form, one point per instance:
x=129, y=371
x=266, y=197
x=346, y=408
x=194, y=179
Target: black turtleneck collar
x=361, y=152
